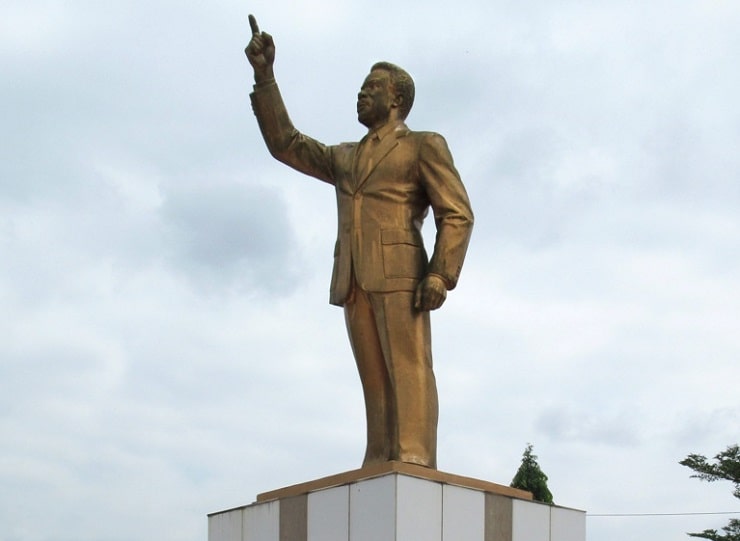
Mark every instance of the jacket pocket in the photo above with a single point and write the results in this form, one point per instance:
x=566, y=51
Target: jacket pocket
x=403, y=253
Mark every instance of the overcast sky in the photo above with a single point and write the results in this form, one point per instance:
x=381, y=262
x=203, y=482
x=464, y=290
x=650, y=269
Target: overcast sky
x=166, y=344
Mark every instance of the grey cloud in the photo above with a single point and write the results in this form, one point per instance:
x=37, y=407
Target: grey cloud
x=696, y=431
x=564, y=425
x=229, y=235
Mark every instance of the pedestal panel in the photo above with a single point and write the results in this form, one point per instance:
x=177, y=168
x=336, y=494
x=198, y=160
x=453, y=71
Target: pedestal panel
x=463, y=513
x=328, y=515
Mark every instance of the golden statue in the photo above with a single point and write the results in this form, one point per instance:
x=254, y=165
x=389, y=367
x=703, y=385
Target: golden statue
x=382, y=277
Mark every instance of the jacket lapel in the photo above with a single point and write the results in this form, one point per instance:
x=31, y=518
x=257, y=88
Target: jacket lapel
x=356, y=168
x=377, y=154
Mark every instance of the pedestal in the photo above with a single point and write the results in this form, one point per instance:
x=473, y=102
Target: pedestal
x=397, y=502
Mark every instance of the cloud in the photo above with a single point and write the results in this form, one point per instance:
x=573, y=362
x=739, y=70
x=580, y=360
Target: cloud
x=228, y=235
x=561, y=424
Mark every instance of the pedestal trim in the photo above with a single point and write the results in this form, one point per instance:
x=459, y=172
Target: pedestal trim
x=377, y=470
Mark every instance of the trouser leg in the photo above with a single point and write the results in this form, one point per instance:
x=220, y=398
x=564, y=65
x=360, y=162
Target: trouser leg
x=371, y=365
x=405, y=336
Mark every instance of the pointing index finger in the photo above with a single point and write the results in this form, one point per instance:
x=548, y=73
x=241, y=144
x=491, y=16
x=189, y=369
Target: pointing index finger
x=253, y=25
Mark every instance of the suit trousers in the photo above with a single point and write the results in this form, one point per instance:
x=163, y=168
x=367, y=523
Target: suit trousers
x=391, y=342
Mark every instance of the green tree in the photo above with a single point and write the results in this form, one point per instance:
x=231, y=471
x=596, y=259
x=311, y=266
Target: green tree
x=530, y=477
x=724, y=467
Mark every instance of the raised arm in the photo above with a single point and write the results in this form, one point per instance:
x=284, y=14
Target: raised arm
x=284, y=142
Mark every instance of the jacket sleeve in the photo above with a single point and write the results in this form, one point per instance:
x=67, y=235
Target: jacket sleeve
x=453, y=215
x=284, y=142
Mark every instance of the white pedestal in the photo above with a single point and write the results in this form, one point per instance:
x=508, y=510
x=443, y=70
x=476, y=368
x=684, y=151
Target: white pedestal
x=397, y=502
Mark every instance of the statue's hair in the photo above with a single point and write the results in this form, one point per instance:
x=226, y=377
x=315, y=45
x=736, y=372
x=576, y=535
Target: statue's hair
x=402, y=83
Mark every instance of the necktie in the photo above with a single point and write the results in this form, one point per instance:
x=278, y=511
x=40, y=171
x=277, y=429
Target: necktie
x=365, y=155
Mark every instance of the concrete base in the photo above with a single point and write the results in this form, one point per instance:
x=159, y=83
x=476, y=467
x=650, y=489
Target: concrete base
x=397, y=502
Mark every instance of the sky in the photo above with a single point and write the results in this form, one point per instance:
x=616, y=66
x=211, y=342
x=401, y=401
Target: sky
x=167, y=349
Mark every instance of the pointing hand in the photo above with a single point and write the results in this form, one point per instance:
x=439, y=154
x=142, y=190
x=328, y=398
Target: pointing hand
x=260, y=52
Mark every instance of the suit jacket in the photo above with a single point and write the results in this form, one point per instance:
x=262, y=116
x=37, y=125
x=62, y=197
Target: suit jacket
x=380, y=207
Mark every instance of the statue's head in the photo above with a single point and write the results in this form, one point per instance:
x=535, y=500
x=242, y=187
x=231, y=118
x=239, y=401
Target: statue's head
x=387, y=92
x=403, y=85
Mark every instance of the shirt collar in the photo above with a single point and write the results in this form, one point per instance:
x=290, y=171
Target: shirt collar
x=384, y=130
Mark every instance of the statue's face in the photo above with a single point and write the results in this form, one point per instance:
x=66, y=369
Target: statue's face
x=375, y=99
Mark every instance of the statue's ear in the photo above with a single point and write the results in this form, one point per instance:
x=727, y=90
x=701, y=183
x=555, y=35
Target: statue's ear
x=397, y=101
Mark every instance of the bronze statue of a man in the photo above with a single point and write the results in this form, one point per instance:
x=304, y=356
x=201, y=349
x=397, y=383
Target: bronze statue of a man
x=382, y=277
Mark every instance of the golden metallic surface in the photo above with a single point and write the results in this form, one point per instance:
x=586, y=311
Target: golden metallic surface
x=382, y=276
x=379, y=470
